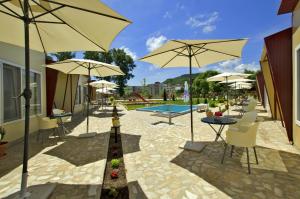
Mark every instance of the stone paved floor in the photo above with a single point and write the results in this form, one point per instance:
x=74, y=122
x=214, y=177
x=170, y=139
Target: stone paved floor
x=158, y=168
x=75, y=165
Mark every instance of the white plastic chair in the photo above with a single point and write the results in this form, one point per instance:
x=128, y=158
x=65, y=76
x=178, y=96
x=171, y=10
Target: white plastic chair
x=243, y=134
x=45, y=123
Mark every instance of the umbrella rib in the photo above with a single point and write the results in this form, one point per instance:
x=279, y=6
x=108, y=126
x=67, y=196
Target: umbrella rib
x=195, y=58
x=86, y=10
x=69, y=26
x=38, y=31
x=21, y=5
x=162, y=52
x=10, y=14
x=196, y=52
x=222, y=53
x=213, y=42
x=49, y=22
x=79, y=65
x=180, y=53
x=7, y=8
x=47, y=12
x=171, y=59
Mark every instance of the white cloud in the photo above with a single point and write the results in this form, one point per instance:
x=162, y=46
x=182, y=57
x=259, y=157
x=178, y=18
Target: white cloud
x=132, y=54
x=167, y=15
x=236, y=65
x=251, y=66
x=229, y=64
x=153, y=43
x=205, y=22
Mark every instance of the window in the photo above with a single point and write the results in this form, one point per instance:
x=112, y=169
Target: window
x=35, y=86
x=13, y=84
x=11, y=89
x=298, y=83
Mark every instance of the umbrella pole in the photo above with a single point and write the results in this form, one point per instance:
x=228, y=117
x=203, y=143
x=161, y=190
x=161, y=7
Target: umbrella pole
x=27, y=95
x=88, y=102
x=191, y=95
x=227, y=96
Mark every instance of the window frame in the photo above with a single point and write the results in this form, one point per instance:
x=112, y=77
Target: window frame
x=2, y=62
x=297, y=81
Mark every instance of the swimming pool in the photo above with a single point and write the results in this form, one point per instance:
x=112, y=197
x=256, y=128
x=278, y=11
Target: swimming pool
x=168, y=108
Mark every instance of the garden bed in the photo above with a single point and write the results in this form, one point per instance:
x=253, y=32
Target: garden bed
x=115, y=187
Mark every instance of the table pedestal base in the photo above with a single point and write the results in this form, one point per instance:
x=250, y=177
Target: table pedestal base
x=87, y=135
x=193, y=146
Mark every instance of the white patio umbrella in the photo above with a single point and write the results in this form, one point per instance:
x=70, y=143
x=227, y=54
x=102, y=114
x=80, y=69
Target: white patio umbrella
x=103, y=84
x=194, y=53
x=90, y=68
x=227, y=77
x=237, y=80
x=55, y=26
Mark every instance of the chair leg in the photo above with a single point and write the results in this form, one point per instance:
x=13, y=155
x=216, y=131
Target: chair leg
x=231, y=152
x=254, y=149
x=248, y=161
x=224, y=153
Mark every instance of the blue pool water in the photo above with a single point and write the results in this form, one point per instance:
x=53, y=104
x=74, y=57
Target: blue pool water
x=168, y=108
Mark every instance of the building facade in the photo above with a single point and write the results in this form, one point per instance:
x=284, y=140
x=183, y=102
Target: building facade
x=12, y=81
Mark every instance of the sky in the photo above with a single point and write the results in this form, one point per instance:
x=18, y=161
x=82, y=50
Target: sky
x=156, y=21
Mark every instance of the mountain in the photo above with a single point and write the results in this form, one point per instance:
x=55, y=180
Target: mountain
x=180, y=79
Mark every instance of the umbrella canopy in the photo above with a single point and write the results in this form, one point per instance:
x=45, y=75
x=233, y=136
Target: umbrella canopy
x=55, y=26
x=227, y=77
x=103, y=84
x=195, y=53
x=86, y=67
x=237, y=80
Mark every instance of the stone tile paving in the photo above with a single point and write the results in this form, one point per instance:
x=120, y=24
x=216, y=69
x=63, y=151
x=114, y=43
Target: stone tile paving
x=160, y=169
x=75, y=165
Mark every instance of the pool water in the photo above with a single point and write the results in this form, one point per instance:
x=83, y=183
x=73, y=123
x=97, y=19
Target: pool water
x=168, y=108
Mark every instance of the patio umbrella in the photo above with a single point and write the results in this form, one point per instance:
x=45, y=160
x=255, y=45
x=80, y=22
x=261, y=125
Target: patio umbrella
x=194, y=53
x=90, y=68
x=103, y=84
x=55, y=26
x=235, y=81
x=227, y=77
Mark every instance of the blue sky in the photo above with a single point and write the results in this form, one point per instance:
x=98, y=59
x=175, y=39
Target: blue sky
x=156, y=21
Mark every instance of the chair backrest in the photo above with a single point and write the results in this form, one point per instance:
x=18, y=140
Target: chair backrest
x=249, y=117
x=251, y=106
x=243, y=138
x=57, y=111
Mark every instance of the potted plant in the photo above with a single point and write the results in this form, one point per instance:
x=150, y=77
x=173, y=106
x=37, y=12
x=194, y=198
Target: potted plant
x=209, y=113
x=115, y=173
x=115, y=163
x=2, y=144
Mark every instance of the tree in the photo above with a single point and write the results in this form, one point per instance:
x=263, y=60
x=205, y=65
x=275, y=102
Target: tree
x=165, y=95
x=64, y=55
x=117, y=57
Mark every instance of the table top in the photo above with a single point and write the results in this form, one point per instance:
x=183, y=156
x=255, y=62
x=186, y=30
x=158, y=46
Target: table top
x=61, y=115
x=218, y=120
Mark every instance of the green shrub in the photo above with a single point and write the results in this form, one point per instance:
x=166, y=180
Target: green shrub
x=212, y=104
x=115, y=163
x=198, y=101
x=221, y=100
x=205, y=101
